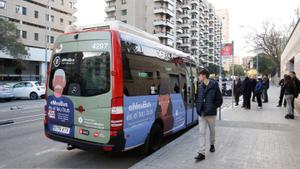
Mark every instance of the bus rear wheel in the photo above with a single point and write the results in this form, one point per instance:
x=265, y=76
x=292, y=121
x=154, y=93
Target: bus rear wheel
x=154, y=140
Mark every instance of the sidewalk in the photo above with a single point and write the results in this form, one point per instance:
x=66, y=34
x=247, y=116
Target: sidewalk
x=255, y=139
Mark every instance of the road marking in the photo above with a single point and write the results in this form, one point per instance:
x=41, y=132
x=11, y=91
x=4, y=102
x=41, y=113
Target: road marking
x=49, y=151
x=26, y=121
x=24, y=117
x=24, y=109
x=45, y=151
x=22, y=122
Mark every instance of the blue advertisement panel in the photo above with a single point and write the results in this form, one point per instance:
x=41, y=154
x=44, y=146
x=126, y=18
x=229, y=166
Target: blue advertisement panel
x=178, y=112
x=139, y=115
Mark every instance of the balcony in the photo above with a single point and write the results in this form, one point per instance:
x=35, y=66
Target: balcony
x=179, y=20
x=194, y=28
x=196, y=2
x=179, y=10
x=179, y=30
x=185, y=35
x=169, y=1
x=185, y=15
x=110, y=18
x=185, y=25
x=169, y=35
x=110, y=8
x=185, y=45
x=195, y=11
x=195, y=37
x=163, y=10
x=186, y=6
x=179, y=41
x=162, y=22
x=195, y=20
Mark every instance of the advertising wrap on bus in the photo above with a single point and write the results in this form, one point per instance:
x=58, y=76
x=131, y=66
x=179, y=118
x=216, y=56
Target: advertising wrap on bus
x=114, y=91
x=79, y=94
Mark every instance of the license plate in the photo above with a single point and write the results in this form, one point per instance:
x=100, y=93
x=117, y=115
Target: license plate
x=61, y=129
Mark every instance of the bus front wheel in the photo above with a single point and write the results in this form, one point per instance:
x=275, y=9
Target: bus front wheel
x=154, y=140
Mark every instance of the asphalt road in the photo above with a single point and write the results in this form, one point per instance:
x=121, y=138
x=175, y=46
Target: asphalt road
x=23, y=144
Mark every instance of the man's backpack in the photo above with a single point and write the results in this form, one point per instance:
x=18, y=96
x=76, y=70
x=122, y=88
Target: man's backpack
x=259, y=87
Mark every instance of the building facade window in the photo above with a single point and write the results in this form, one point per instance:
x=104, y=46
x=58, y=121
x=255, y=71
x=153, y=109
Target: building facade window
x=18, y=9
x=62, y=2
x=124, y=12
x=70, y=22
x=24, y=34
x=125, y=21
x=124, y=1
x=52, y=39
x=18, y=33
x=36, y=36
x=2, y=4
x=24, y=10
x=52, y=18
x=36, y=14
x=70, y=4
x=61, y=21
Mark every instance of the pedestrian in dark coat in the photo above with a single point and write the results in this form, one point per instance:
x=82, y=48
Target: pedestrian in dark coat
x=258, y=91
x=297, y=84
x=267, y=86
x=237, y=90
x=281, y=84
x=253, y=85
x=208, y=99
x=290, y=92
x=246, y=91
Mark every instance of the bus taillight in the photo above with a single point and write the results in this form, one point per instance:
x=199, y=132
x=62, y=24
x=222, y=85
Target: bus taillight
x=117, y=115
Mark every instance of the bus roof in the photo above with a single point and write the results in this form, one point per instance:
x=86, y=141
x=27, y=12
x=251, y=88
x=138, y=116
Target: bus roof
x=132, y=32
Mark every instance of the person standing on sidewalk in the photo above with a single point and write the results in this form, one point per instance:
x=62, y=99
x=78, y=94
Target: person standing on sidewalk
x=258, y=91
x=208, y=99
x=237, y=90
x=246, y=91
x=267, y=86
x=253, y=85
x=297, y=84
x=281, y=84
x=290, y=92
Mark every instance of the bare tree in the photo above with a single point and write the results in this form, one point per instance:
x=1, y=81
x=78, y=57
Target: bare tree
x=271, y=41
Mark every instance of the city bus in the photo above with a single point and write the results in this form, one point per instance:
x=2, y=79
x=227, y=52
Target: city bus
x=112, y=90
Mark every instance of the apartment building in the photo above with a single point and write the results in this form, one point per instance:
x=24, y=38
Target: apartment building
x=223, y=14
x=188, y=25
x=34, y=20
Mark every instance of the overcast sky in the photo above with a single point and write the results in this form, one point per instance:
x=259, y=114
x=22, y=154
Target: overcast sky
x=247, y=13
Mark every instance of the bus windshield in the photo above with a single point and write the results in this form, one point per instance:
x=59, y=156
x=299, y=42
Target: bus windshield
x=85, y=73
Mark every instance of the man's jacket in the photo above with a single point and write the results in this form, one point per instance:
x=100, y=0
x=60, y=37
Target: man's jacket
x=208, y=99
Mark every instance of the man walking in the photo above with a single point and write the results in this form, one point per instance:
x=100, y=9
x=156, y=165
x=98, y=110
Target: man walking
x=297, y=84
x=209, y=98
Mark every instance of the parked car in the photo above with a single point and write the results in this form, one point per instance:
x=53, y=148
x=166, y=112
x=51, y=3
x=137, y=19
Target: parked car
x=29, y=89
x=6, y=92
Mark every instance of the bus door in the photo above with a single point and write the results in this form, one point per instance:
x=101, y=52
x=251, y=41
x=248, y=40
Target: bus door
x=188, y=98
